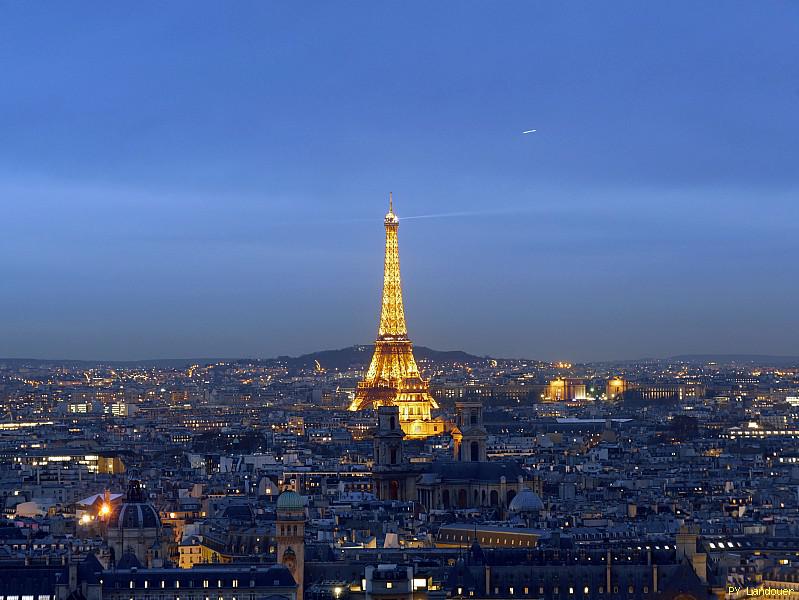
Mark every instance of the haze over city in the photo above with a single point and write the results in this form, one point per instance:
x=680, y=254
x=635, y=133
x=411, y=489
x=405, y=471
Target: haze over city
x=399, y=300
x=209, y=180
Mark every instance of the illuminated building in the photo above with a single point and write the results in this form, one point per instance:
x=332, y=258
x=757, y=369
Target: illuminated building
x=665, y=390
x=568, y=388
x=458, y=535
x=755, y=430
x=60, y=460
x=615, y=388
x=393, y=379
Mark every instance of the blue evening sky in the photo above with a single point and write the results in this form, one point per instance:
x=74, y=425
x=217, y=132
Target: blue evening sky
x=197, y=178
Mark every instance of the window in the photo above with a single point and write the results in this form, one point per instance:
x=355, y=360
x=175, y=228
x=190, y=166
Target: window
x=389, y=584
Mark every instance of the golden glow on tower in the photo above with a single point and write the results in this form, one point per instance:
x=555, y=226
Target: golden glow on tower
x=392, y=313
x=393, y=377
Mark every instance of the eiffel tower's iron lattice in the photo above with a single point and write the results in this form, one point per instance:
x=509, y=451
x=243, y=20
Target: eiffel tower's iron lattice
x=393, y=377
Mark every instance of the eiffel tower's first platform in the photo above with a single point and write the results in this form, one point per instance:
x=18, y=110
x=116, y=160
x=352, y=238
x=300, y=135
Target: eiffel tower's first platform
x=393, y=377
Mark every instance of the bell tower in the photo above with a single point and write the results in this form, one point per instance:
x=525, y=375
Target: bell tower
x=469, y=435
x=290, y=535
x=388, y=446
x=393, y=476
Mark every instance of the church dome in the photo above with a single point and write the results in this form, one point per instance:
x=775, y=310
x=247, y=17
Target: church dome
x=134, y=516
x=289, y=500
x=135, y=512
x=526, y=501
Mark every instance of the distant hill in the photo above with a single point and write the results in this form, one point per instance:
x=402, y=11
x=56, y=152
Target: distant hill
x=739, y=359
x=359, y=356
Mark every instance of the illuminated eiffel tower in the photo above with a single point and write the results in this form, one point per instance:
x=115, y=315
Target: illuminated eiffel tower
x=393, y=377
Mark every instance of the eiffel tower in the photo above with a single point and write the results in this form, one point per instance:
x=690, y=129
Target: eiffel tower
x=393, y=377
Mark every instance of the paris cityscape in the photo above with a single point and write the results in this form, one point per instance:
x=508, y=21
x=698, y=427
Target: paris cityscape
x=431, y=460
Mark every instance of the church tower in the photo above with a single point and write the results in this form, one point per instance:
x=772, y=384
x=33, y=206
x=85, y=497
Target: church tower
x=388, y=447
x=394, y=478
x=290, y=534
x=469, y=435
x=393, y=377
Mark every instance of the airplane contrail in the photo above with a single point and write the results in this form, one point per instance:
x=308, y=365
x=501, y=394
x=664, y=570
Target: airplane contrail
x=530, y=131
x=441, y=215
x=476, y=213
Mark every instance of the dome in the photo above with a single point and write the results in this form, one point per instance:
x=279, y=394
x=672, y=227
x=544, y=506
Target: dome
x=526, y=501
x=289, y=500
x=134, y=516
x=135, y=512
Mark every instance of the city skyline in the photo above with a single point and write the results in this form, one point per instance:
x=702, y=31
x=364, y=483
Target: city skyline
x=399, y=301
x=208, y=183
